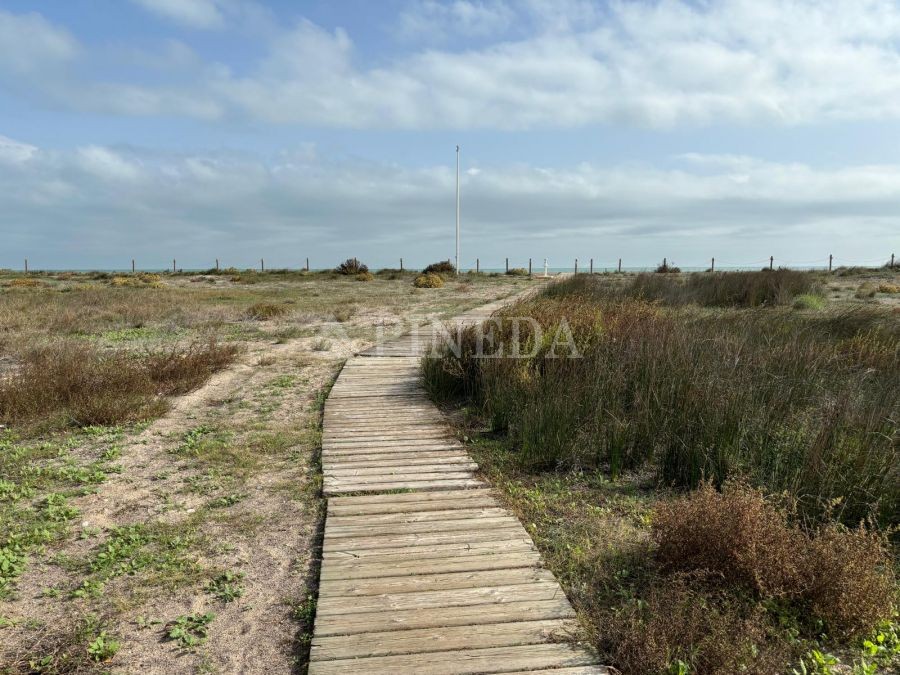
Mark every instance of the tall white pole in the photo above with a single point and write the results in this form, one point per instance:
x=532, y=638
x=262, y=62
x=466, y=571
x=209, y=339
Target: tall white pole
x=457, y=210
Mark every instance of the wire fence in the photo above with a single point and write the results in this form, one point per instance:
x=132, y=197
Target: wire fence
x=531, y=265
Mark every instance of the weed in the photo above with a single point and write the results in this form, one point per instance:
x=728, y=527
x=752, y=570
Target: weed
x=190, y=630
x=227, y=586
x=321, y=345
x=103, y=647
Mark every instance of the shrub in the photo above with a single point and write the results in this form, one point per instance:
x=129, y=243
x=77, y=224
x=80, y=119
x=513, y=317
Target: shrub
x=735, y=534
x=443, y=267
x=365, y=276
x=889, y=289
x=866, y=291
x=676, y=628
x=428, y=281
x=351, y=267
x=667, y=268
x=851, y=586
x=263, y=311
x=809, y=301
x=71, y=383
x=517, y=272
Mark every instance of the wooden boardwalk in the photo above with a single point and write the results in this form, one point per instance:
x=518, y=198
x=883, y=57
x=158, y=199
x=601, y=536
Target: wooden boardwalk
x=438, y=578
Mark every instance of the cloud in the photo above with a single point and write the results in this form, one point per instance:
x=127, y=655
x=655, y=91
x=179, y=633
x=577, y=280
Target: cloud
x=203, y=14
x=100, y=206
x=432, y=21
x=30, y=45
x=657, y=64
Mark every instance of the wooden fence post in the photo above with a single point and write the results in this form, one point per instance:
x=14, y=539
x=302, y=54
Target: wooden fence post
x=173, y=265
x=592, y=265
x=26, y=265
x=132, y=265
x=507, y=265
x=217, y=264
x=477, y=265
x=307, y=264
x=262, y=265
x=576, y=265
x=620, y=265
x=401, y=264
x=712, y=265
x=771, y=261
x=529, y=268
x=830, y=257
x=892, y=261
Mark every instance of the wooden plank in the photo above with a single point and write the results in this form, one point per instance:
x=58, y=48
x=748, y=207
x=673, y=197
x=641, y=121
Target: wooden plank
x=401, y=528
x=475, y=615
x=379, y=469
x=424, y=640
x=432, y=582
x=405, y=567
x=500, y=544
x=538, y=590
x=331, y=488
x=417, y=516
x=463, y=661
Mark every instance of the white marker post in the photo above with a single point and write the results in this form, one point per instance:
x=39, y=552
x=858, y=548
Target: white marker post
x=545, y=268
x=457, y=210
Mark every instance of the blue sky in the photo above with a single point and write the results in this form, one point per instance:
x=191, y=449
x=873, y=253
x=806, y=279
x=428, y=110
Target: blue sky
x=241, y=129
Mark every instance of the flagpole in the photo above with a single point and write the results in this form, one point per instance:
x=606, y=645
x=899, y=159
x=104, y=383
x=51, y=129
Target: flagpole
x=457, y=210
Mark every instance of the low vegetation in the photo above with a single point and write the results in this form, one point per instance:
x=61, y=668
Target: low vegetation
x=442, y=267
x=70, y=383
x=351, y=267
x=695, y=459
x=138, y=495
x=428, y=281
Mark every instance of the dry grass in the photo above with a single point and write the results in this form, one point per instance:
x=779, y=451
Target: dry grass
x=69, y=383
x=263, y=311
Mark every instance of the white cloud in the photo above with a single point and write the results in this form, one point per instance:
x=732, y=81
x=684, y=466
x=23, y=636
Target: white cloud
x=30, y=45
x=14, y=152
x=434, y=21
x=111, y=204
x=659, y=63
x=203, y=14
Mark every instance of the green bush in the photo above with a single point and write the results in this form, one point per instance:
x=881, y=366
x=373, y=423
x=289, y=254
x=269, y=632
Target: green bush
x=517, y=272
x=809, y=301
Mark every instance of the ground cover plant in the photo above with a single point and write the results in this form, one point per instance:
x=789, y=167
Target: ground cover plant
x=715, y=479
x=158, y=459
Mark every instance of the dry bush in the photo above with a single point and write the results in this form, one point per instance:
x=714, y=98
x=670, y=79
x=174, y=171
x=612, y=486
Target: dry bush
x=351, y=267
x=263, y=311
x=72, y=383
x=851, y=584
x=736, y=534
x=443, y=267
x=740, y=540
x=865, y=291
x=365, y=276
x=428, y=281
x=666, y=267
x=889, y=289
x=675, y=623
x=517, y=272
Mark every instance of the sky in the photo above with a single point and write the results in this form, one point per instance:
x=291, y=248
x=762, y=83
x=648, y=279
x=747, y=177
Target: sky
x=284, y=129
